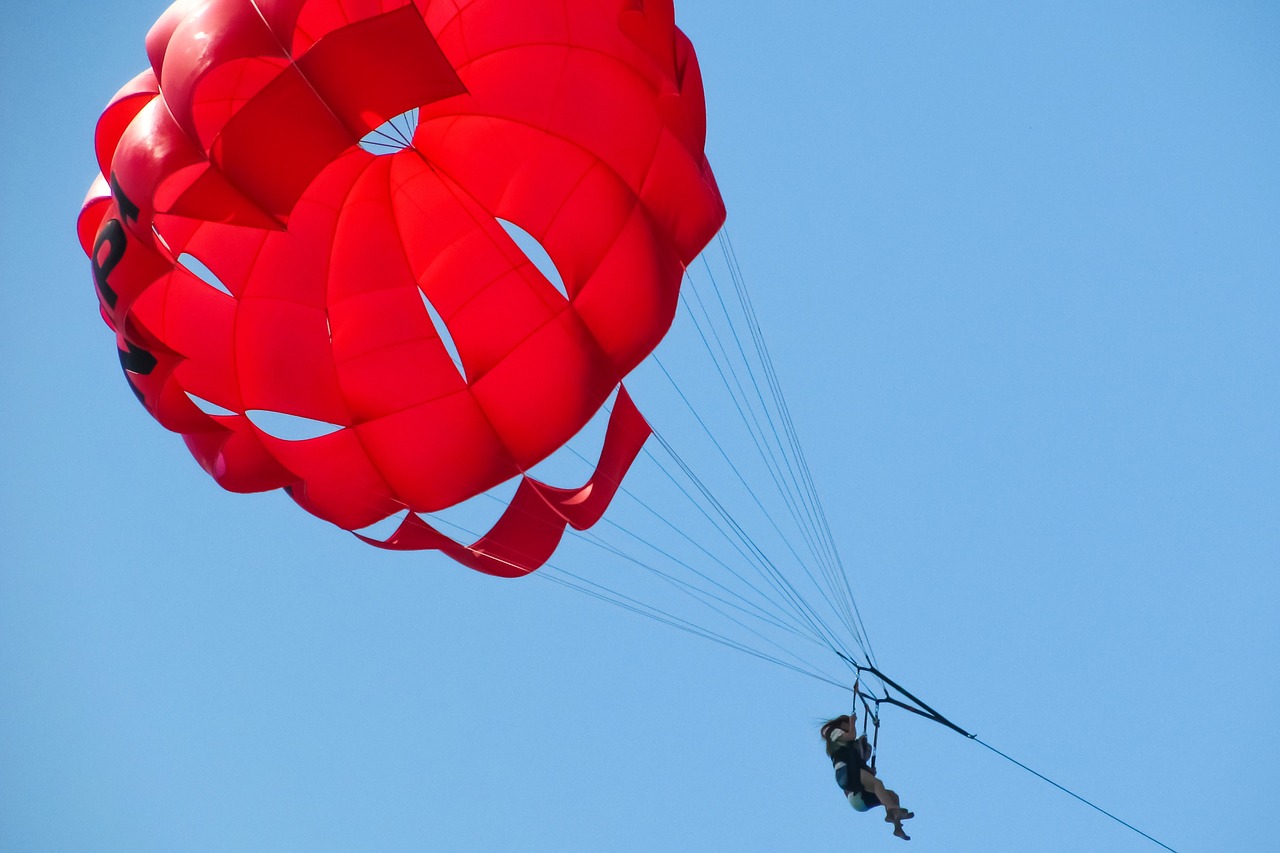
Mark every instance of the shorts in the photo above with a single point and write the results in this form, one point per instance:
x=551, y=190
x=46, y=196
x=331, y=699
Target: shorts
x=859, y=797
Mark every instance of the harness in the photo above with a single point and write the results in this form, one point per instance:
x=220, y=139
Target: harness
x=868, y=715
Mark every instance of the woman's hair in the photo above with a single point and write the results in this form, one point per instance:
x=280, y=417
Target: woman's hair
x=844, y=722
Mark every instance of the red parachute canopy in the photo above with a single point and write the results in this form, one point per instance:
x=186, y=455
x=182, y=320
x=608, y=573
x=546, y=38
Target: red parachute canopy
x=253, y=257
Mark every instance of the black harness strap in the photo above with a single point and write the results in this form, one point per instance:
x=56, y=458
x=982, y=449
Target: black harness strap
x=869, y=718
x=875, y=740
x=919, y=708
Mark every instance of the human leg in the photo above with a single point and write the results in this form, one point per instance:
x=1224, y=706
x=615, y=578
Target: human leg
x=873, y=784
x=894, y=813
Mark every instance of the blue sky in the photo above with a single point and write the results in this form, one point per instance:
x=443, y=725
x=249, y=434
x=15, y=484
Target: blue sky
x=1018, y=269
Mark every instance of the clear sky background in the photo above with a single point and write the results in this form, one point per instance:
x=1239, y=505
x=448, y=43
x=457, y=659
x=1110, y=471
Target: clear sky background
x=1019, y=271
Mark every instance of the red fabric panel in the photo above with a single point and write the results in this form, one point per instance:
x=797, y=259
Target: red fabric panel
x=690, y=126
x=92, y=213
x=291, y=367
x=369, y=71
x=438, y=453
x=621, y=315
x=338, y=481
x=536, y=410
x=124, y=107
x=523, y=539
x=316, y=19
x=260, y=151
x=196, y=322
x=665, y=197
x=236, y=460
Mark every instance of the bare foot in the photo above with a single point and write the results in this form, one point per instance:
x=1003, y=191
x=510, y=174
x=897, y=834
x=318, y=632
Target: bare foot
x=899, y=833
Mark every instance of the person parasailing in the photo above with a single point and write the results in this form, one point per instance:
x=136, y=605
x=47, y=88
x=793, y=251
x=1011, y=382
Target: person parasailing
x=849, y=753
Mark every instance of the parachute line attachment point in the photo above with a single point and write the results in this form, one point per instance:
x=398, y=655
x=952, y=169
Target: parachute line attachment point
x=918, y=707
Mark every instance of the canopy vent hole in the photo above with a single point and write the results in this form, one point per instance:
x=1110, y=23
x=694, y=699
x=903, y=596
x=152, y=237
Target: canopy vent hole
x=442, y=331
x=393, y=135
x=197, y=268
x=537, y=255
x=211, y=409
x=289, y=427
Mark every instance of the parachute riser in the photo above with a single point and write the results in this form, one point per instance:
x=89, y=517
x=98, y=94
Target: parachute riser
x=919, y=708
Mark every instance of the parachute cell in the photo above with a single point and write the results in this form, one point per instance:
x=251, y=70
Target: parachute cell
x=253, y=256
